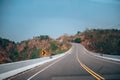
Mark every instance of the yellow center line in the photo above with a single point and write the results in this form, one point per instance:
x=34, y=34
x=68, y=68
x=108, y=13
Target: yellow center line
x=94, y=74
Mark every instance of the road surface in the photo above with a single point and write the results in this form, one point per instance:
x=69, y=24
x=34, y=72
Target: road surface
x=77, y=65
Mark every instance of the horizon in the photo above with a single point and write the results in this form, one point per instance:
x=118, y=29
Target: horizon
x=23, y=20
x=56, y=37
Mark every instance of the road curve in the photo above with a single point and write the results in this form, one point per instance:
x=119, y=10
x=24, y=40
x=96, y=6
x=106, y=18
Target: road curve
x=77, y=65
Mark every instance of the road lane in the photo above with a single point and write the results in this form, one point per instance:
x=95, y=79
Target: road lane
x=45, y=68
x=107, y=68
x=68, y=67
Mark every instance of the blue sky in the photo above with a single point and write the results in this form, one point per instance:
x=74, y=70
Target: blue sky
x=24, y=19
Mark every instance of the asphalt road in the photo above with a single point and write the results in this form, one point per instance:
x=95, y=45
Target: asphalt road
x=77, y=65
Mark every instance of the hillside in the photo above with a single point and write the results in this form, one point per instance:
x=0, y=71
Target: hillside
x=106, y=41
x=8, y=50
x=30, y=49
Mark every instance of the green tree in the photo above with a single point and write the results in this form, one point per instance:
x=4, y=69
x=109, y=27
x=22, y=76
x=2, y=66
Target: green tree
x=77, y=40
x=53, y=46
x=44, y=37
x=35, y=53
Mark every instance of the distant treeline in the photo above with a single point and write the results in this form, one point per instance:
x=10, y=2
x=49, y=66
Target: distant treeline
x=105, y=41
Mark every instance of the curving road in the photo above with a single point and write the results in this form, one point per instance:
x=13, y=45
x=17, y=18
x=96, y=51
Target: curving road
x=77, y=65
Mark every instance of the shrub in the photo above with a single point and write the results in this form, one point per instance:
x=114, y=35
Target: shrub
x=35, y=54
x=53, y=46
x=77, y=40
x=44, y=37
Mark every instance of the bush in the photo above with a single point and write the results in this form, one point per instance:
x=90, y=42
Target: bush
x=35, y=54
x=44, y=37
x=53, y=46
x=77, y=40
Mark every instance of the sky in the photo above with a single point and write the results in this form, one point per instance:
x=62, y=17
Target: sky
x=24, y=19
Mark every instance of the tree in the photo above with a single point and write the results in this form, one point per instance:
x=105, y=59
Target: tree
x=77, y=40
x=78, y=32
x=35, y=53
x=53, y=46
x=44, y=37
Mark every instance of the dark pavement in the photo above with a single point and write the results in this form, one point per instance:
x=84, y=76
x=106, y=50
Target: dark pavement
x=76, y=65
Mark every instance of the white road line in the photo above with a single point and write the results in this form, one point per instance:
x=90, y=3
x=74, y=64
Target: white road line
x=46, y=68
